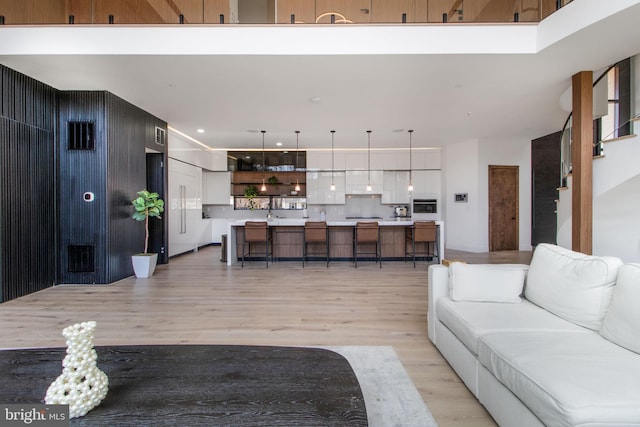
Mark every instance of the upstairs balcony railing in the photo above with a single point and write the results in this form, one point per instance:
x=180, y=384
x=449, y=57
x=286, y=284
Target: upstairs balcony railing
x=158, y=12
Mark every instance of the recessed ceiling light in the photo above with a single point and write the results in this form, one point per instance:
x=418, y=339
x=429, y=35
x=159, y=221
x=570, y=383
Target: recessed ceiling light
x=247, y=157
x=279, y=144
x=200, y=130
x=314, y=100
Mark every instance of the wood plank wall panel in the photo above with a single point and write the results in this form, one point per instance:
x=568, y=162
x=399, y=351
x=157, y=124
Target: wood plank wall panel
x=213, y=9
x=436, y=8
x=27, y=185
x=130, y=12
x=548, y=7
x=82, y=11
x=209, y=11
x=390, y=11
x=529, y=10
x=352, y=10
x=304, y=10
x=490, y=10
x=33, y=11
x=422, y=11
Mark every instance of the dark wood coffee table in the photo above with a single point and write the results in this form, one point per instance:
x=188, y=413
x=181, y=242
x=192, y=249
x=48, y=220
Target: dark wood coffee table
x=208, y=385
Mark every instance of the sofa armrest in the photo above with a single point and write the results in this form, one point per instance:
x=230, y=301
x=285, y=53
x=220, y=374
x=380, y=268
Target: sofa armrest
x=438, y=286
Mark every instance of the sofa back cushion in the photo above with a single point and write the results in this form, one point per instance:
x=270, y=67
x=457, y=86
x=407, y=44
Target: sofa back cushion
x=572, y=285
x=486, y=282
x=621, y=324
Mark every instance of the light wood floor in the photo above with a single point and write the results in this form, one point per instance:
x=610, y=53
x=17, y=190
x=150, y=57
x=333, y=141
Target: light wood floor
x=197, y=299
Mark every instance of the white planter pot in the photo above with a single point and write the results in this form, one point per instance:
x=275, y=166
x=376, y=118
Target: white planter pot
x=144, y=265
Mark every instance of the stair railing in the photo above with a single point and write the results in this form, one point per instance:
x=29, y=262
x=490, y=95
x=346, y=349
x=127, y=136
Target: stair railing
x=567, y=139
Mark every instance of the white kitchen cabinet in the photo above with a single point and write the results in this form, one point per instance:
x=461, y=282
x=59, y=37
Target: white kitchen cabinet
x=355, y=160
x=427, y=182
x=426, y=159
x=205, y=232
x=218, y=228
x=379, y=158
x=319, y=188
x=395, y=187
x=216, y=188
x=356, y=181
x=184, y=207
x=318, y=160
x=322, y=161
x=390, y=161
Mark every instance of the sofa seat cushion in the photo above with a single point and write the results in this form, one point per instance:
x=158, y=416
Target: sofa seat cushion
x=566, y=379
x=470, y=320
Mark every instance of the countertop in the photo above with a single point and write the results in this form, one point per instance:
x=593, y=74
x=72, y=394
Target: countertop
x=299, y=222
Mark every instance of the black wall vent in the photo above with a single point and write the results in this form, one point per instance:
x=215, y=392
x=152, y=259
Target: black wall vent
x=81, y=136
x=160, y=136
x=81, y=259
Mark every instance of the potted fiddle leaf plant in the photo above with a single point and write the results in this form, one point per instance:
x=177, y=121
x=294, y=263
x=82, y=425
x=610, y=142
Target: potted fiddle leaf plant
x=147, y=205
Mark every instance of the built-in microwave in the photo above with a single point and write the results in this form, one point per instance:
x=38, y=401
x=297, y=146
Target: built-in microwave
x=425, y=206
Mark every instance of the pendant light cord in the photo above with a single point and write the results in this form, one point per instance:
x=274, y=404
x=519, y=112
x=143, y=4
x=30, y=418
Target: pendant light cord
x=369, y=157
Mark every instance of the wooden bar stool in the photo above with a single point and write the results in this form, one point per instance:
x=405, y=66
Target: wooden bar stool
x=367, y=233
x=257, y=232
x=315, y=232
x=422, y=232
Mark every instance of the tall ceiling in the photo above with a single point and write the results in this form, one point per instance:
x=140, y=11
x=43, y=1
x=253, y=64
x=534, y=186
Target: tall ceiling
x=446, y=91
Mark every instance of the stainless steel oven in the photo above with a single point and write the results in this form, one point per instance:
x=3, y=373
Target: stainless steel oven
x=425, y=206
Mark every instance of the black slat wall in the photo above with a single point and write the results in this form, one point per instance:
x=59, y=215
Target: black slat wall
x=131, y=131
x=49, y=231
x=114, y=171
x=82, y=223
x=27, y=185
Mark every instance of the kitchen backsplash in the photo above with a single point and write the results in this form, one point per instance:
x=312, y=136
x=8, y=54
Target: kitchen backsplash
x=355, y=206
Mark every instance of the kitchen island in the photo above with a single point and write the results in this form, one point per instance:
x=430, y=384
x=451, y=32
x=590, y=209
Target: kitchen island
x=288, y=238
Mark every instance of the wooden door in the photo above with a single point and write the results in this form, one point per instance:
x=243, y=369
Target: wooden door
x=503, y=208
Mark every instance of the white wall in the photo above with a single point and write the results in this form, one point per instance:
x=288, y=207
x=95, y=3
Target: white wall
x=507, y=152
x=467, y=171
x=616, y=194
x=464, y=227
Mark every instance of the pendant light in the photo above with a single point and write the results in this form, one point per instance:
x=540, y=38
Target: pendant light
x=264, y=166
x=333, y=155
x=410, y=172
x=369, y=188
x=297, y=187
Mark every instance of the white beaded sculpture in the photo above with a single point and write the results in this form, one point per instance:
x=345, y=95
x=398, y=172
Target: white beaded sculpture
x=82, y=385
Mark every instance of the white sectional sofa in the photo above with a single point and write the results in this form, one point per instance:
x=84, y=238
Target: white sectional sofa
x=556, y=343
